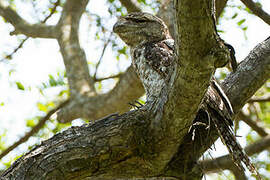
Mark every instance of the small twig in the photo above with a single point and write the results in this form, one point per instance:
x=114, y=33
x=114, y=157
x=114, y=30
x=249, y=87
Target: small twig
x=102, y=54
x=15, y=50
x=57, y=3
x=34, y=130
x=9, y=56
x=258, y=11
x=109, y=77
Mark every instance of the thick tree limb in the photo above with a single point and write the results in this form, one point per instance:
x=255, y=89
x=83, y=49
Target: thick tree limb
x=166, y=13
x=220, y=5
x=258, y=11
x=108, y=142
x=196, y=64
x=74, y=57
x=252, y=72
x=128, y=89
x=23, y=27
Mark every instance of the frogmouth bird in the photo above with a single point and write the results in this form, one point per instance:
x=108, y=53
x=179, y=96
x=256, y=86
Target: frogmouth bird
x=153, y=55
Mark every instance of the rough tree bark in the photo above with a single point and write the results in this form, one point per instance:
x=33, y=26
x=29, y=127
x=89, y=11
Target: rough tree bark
x=121, y=146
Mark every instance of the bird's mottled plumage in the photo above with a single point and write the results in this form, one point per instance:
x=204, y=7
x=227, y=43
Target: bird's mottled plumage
x=152, y=61
x=153, y=56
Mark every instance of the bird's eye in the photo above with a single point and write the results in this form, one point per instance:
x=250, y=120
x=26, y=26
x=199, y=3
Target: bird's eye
x=137, y=20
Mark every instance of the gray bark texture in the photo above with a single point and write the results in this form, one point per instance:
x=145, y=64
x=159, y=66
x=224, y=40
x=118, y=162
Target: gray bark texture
x=124, y=145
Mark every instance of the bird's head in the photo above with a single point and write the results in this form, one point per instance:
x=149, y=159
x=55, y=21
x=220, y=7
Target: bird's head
x=139, y=28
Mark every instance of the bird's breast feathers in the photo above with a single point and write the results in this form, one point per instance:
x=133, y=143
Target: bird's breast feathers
x=152, y=62
x=156, y=55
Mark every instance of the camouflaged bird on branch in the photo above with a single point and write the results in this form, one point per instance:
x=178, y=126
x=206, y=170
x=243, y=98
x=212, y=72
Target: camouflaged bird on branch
x=153, y=56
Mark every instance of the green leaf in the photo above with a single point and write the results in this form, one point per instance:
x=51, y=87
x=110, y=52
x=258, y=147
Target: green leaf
x=241, y=22
x=20, y=86
x=244, y=28
x=11, y=72
x=3, y=140
x=51, y=104
x=99, y=86
x=142, y=1
x=235, y=15
x=52, y=81
x=42, y=107
x=30, y=123
x=123, y=50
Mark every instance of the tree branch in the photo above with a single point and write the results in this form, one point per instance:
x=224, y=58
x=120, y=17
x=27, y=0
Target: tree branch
x=24, y=40
x=23, y=27
x=52, y=11
x=109, y=77
x=196, y=64
x=260, y=130
x=34, y=130
x=251, y=74
x=106, y=43
x=15, y=50
x=131, y=5
x=258, y=11
x=107, y=148
x=220, y=5
x=166, y=13
x=225, y=162
x=239, y=175
x=265, y=98
x=128, y=88
x=80, y=82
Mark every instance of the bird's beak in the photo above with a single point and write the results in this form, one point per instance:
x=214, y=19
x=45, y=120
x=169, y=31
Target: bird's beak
x=119, y=25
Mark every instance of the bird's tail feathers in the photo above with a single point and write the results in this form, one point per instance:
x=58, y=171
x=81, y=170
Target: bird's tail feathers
x=228, y=138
